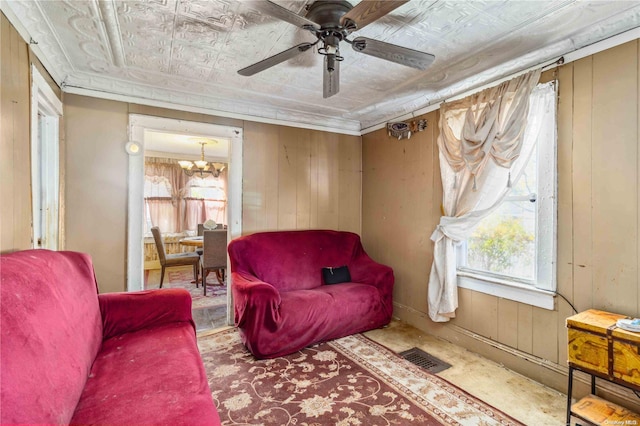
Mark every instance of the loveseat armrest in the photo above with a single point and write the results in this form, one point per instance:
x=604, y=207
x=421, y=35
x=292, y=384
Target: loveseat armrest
x=127, y=312
x=367, y=271
x=250, y=294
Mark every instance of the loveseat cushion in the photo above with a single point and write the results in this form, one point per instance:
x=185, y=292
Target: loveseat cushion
x=292, y=260
x=51, y=334
x=151, y=376
x=330, y=311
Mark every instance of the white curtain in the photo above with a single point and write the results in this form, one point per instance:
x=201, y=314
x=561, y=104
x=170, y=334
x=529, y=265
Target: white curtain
x=209, y=203
x=163, y=197
x=194, y=213
x=163, y=214
x=485, y=142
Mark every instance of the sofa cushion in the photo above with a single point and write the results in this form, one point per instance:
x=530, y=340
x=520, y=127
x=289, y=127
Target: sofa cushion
x=50, y=334
x=151, y=376
x=292, y=260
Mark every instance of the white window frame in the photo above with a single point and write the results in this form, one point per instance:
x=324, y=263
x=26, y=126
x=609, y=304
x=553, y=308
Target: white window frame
x=540, y=291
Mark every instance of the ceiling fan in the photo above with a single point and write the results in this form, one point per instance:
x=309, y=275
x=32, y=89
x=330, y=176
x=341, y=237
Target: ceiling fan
x=332, y=21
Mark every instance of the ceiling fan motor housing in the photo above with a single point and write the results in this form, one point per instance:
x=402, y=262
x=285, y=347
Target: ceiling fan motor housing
x=331, y=22
x=327, y=13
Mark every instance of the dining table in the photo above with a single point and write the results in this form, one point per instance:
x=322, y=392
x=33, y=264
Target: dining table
x=192, y=241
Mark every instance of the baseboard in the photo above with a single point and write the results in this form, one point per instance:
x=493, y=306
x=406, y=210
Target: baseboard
x=542, y=371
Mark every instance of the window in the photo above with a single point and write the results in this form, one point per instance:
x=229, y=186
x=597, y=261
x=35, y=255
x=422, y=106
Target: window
x=208, y=188
x=206, y=200
x=511, y=253
x=158, y=203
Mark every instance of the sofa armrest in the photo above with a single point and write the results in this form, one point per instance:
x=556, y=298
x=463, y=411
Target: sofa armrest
x=127, y=312
x=250, y=294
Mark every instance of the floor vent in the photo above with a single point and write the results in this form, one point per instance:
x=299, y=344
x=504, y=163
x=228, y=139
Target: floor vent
x=422, y=359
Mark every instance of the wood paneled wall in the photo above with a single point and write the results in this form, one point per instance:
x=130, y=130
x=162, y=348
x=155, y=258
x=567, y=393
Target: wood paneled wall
x=300, y=179
x=293, y=179
x=96, y=183
x=15, y=176
x=598, y=215
x=401, y=197
x=15, y=138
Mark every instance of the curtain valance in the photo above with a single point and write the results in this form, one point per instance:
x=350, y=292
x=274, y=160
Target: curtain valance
x=493, y=123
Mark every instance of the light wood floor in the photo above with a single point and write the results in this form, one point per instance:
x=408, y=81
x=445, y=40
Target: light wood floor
x=522, y=398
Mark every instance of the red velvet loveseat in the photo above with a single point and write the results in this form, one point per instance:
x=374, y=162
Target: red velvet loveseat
x=71, y=356
x=281, y=303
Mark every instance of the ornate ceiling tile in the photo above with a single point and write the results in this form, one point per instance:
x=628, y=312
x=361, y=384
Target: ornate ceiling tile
x=221, y=14
x=188, y=52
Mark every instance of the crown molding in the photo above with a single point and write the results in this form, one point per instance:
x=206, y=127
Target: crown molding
x=462, y=90
x=347, y=127
x=106, y=75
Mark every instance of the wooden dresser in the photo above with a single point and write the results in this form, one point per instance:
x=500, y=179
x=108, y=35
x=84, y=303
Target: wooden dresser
x=599, y=348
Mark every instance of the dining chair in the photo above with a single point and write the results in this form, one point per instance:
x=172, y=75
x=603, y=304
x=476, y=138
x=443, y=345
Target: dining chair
x=200, y=234
x=214, y=256
x=201, y=230
x=171, y=260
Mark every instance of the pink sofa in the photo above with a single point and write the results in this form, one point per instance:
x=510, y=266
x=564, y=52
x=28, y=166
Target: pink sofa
x=71, y=356
x=281, y=303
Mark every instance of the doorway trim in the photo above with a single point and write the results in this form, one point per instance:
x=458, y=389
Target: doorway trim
x=135, y=207
x=46, y=110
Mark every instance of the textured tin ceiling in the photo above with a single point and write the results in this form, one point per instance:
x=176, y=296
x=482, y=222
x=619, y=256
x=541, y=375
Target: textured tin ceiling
x=188, y=52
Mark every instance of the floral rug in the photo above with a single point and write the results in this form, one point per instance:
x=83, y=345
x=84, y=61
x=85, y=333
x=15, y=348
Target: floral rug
x=348, y=381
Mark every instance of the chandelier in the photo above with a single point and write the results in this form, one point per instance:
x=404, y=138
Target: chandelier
x=201, y=166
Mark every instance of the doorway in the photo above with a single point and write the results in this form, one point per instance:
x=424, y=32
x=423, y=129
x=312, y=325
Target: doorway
x=142, y=130
x=46, y=110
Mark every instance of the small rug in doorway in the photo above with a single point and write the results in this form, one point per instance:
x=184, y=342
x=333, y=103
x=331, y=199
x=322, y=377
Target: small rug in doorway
x=181, y=278
x=348, y=381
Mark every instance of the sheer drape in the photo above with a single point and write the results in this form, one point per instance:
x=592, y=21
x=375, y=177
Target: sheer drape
x=163, y=198
x=163, y=214
x=194, y=213
x=485, y=141
x=216, y=210
x=176, y=202
x=208, y=200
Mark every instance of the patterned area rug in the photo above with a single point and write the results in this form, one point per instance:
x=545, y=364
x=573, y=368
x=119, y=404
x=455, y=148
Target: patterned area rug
x=181, y=278
x=349, y=381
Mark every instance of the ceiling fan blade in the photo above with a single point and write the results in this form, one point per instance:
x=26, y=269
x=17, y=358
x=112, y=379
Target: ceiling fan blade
x=368, y=11
x=275, y=59
x=284, y=14
x=392, y=52
x=331, y=79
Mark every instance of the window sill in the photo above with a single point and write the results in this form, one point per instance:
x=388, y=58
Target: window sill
x=507, y=290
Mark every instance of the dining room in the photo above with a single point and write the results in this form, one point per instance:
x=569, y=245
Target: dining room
x=185, y=197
